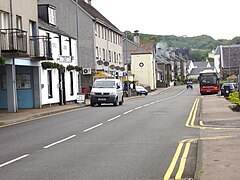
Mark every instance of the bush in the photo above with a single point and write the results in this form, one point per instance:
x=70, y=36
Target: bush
x=234, y=98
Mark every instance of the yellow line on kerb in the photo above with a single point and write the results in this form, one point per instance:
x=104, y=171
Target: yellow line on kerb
x=174, y=161
x=183, y=161
x=191, y=113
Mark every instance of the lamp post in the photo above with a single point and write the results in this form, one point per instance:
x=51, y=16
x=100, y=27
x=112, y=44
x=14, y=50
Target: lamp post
x=126, y=59
x=78, y=50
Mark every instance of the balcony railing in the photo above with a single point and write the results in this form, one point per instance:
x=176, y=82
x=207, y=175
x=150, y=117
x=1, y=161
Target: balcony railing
x=13, y=41
x=40, y=47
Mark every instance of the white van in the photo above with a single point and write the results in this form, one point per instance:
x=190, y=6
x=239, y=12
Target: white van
x=107, y=91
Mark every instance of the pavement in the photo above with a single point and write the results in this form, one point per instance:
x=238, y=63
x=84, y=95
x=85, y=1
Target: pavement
x=218, y=146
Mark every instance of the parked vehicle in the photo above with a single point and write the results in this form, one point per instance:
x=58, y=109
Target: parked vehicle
x=141, y=90
x=232, y=88
x=106, y=91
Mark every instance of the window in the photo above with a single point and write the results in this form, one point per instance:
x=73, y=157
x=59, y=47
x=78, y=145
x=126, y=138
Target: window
x=52, y=15
x=99, y=31
x=104, y=55
x=19, y=22
x=97, y=53
x=32, y=28
x=3, y=82
x=71, y=83
x=4, y=20
x=103, y=33
x=115, y=57
x=110, y=57
x=23, y=81
x=50, y=91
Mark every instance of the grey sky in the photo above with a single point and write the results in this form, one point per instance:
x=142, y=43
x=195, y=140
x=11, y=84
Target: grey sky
x=217, y=18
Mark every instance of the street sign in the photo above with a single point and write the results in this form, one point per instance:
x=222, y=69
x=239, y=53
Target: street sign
x=80, y=98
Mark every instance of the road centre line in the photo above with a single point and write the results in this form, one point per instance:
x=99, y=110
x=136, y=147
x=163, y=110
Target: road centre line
x=91, y=128
x=145, y=105
x=128, y=112
x=114, y=118
x=14, y=160
x=58, y=142
x=152, y=103
x=139, y=107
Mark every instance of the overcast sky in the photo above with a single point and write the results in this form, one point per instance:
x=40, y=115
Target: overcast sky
x=217, y=18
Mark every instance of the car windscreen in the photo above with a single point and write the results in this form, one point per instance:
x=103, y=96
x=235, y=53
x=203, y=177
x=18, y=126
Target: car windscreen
x=104, y=84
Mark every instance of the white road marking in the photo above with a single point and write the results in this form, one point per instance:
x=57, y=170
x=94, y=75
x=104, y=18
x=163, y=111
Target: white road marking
x=157, y=101
x=152, y=103
x=128, y=112
x=91, y=128
x=146, y=105
x=139, y=107
x=55, y=143
x=14, y=160
x=114, y=118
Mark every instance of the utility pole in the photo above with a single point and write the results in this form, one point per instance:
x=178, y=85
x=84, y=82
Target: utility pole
x=128, y=85
x=239, y=82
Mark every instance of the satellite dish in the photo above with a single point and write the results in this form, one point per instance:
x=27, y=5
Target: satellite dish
x=106, y=63
x=112, y=66
x=99, y=62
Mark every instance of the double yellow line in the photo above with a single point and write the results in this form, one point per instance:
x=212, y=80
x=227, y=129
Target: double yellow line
x=189, y=123
x=183, y=160
x=192, y=116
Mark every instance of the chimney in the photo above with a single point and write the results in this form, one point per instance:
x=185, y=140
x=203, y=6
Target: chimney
x=89, y=2
x=136, y=37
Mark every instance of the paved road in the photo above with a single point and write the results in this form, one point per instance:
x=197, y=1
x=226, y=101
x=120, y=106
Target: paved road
x=135, y=141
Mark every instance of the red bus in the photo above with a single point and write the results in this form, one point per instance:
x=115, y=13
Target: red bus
x=208, y=82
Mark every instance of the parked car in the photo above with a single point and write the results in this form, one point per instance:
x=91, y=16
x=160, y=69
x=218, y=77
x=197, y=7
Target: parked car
x=231, y=85
x=141, y=90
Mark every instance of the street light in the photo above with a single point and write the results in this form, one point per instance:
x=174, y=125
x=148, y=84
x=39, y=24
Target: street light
x=126, y=59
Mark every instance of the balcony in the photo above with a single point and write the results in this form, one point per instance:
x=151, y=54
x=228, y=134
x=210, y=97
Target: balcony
x=40, y=48
x=13, y=42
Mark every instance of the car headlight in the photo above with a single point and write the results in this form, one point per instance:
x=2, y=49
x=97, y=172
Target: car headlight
x=113, y=93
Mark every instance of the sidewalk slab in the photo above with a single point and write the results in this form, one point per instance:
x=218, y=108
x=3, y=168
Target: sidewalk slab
x=220, y=154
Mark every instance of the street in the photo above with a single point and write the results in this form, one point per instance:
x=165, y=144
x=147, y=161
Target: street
x=138, y=140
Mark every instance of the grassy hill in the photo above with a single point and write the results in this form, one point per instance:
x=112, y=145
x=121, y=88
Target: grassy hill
x=199, y=46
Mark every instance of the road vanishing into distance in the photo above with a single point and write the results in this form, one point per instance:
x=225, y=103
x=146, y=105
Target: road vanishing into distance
x=145, y=138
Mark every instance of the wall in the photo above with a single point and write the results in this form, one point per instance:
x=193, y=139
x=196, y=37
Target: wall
x=145, y=75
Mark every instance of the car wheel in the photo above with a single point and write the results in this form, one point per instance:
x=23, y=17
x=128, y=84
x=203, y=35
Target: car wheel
x=116, y=102
x=92, y=104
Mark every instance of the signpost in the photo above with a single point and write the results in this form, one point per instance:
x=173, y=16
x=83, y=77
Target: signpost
x=80, y=98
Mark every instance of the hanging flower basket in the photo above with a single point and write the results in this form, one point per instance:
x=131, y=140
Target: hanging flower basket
x=2, y=60
x=78, y=69
x=70, y=68
x=51, y=65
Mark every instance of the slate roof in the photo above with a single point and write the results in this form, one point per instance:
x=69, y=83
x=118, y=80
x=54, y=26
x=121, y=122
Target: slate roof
x=162, y=60
x=230, y=57
x=54, y=29
x=200, y=64
x=96, y=14
x=196, y=71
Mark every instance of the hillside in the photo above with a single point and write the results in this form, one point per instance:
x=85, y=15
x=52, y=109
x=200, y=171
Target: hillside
x=199, y=46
